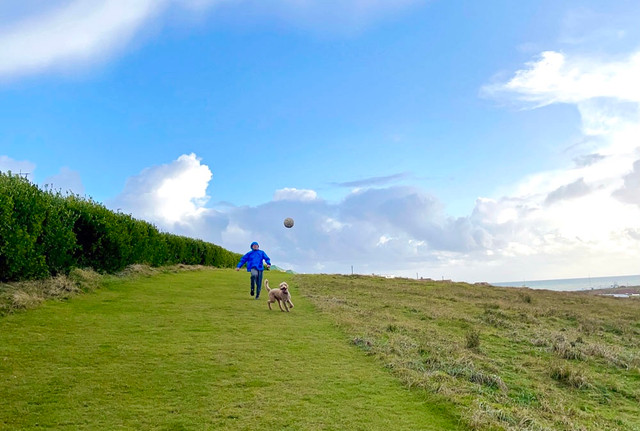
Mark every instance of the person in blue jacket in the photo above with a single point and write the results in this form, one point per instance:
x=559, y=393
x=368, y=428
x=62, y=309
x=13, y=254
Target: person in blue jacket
x=254, y=260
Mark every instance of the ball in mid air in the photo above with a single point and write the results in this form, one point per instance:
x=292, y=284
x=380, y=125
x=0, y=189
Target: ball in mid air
x=288, y=222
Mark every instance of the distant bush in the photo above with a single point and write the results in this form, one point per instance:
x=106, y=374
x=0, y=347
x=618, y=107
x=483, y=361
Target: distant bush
x=43, y=234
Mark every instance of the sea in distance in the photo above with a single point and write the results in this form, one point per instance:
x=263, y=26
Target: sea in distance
x=575, y=284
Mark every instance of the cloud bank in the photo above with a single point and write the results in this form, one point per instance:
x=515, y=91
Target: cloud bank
x=583, y=211
x=573, y=222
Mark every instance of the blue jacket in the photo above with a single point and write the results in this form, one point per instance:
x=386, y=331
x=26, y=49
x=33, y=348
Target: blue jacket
x=254, y=259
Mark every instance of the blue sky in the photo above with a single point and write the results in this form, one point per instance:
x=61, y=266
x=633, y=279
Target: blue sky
x=477, y=141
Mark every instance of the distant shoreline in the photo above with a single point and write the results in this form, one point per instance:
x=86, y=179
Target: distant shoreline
x=588, y=284
x=620, y=290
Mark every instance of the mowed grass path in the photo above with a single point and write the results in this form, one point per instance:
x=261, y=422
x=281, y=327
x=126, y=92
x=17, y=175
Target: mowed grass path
x=193, y=351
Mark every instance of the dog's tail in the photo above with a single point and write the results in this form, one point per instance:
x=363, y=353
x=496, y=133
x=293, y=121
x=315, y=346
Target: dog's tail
x=266, y=284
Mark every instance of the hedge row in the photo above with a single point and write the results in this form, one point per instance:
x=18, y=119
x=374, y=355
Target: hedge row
x=44, y=233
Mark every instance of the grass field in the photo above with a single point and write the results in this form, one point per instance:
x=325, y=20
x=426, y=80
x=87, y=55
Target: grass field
x=515, y=359
x=193, y=351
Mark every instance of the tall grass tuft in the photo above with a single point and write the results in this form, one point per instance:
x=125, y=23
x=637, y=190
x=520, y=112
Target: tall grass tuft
x=473, y=339
x=567, y=350
x=569, y=376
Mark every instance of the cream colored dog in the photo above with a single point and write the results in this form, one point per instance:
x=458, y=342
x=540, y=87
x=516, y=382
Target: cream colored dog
x=281, y=295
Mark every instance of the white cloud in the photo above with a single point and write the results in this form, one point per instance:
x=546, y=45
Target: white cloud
x=333, y=225
x=167, y=194
x=293, y=194
x=67, y=181
x=63, y=36
x=555, y=78
x=81, y=31
x=392, y=228
x=16, y=166
x=630, y=191
x=579, y=214
x=383, y=240
x=574, y=190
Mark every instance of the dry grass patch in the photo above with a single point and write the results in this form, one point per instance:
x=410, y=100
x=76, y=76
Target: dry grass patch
x=23, y=299
x=569, y=376
x=30, y=294
x=509, y=358
x=26, y=295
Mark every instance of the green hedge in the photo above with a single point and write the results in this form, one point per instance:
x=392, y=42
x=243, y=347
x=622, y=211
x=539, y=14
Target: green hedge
x=44, y=233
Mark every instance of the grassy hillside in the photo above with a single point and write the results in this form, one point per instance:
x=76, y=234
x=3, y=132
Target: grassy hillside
x=507, y=358
x=193, y=351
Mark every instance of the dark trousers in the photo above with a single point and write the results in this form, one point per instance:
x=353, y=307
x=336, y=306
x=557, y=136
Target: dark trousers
x=256, y=280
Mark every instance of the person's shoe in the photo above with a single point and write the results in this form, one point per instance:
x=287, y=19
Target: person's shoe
x=257, y=297
x=251, y=292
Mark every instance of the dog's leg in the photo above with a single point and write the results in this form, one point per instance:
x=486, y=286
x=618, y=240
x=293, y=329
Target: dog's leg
x=290, y=303
x=280, y=305
x=269, y=303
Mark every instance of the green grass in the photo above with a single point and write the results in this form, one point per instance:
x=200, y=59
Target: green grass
x=509, y=359
x=193, y=351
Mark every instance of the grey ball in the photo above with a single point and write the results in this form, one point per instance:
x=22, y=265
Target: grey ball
x=288, y=222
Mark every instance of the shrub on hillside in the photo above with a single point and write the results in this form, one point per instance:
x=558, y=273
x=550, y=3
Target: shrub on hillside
x=44, y=234
x=36, y=235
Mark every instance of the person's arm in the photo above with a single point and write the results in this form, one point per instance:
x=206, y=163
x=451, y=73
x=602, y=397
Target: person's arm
x=266, y=259
x=243, y=260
